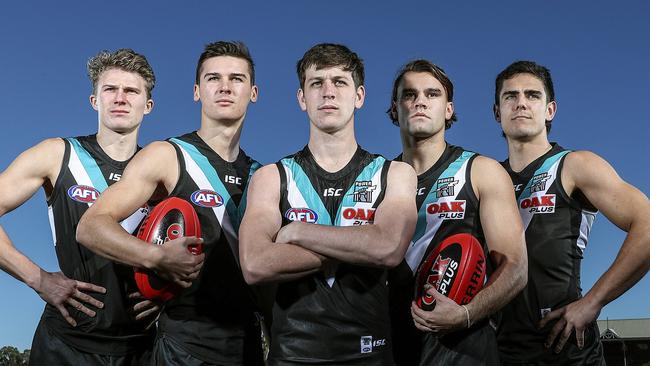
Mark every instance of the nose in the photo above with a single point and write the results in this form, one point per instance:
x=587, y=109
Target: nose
x=120, y=96
x=521, y=102
x=420, y=101
x=225, y=87
x=328, y=89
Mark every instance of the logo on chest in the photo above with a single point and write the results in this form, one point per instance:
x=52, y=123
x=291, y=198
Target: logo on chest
x=363, y=190
x=301, y=214
x=355, y=216
x=542, y=204
x=538, y=183
x=447, y=210
x=84, y=194
x=206, y=198
x=445, y=187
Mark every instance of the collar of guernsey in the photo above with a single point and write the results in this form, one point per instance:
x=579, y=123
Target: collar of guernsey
x=86, y=172
x=204, y=175
x=426, y=227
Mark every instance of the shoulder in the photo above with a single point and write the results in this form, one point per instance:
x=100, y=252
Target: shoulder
x=585, y=167
x=485, y=166
x=400, y=167
x=266, y=173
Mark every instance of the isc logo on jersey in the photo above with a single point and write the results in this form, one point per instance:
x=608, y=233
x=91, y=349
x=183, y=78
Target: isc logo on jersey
x=447, y=210
x=207, y=198
x=301, y=214
x=83, y=194
x=542, y=204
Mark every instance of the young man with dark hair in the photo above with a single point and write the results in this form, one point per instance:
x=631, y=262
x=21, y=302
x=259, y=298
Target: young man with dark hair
x=559, y=192
x=325, y=223
x=85, y=321
x=422, y=107
x=213, y=320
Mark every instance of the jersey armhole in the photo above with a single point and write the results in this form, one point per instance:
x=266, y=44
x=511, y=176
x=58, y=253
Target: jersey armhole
x=468, y=179
x=283, y=185
x=181, y=168
x=384, y=183
x=59, y=178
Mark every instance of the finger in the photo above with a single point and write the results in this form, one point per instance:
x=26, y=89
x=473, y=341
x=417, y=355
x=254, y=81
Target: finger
x=90, y=287
x=79, y=306
x=183, y=283
x=142, y=305
x=557, y=328
x=555, y=314
x=563, y=338
x=135, y=295
x=88, y=299
x=66, y=315
x=580, y=337
x=145, y=314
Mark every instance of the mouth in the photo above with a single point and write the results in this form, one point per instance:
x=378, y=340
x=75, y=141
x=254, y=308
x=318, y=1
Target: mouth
x=328, y=108
x=119, y=112
x=224, y=101
x=520, y=117
x=419, y=114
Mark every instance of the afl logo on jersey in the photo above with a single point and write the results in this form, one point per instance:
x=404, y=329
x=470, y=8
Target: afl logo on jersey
x=207, y=198
x=84, y=194
x=301, y=214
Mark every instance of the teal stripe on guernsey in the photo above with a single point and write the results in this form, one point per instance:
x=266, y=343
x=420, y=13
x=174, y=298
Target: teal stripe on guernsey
x=366, y=174
x=452, y=169
x=213, y=178
x=90, y=165
x=525, y=193
x=307, y=190
x=242, y=202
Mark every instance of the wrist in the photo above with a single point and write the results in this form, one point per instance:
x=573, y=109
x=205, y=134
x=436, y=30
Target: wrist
x=152, y=256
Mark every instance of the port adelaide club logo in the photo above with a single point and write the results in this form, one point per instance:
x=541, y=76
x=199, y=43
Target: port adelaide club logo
x=447, y=209
x=363, y=190
x=539, y=203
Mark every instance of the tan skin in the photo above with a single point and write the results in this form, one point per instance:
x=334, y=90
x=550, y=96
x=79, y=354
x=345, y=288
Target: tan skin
x=121, y=102
x=224, y=91
x=624, y=205
x=421, y=109
x=271, y=253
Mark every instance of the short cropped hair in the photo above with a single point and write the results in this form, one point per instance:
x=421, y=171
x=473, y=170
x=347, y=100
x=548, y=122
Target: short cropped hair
x=326, y=55
x=224, y=48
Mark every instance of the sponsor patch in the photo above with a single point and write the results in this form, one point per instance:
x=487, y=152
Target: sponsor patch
x=301, y=214
x=445, y=187
x=206, y=198
x=363, y=191
x=84, y=194
x=538, y=183
x=542, y=204
x=447, y=210
x=356, y=216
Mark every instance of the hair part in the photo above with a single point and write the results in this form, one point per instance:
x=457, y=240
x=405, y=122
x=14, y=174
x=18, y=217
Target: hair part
x=325, y=55
x=224, y=48
x=124, y=59
x=526, y=67
x=437, y=72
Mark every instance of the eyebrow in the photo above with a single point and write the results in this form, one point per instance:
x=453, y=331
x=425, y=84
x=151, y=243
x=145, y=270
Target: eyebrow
x=526, y=92
x=429, y=90
x=126, y=87
x=209, y=74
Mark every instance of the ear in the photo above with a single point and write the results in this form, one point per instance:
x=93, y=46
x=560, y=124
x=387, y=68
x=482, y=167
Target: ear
x=197, y=94
x=497, y=115
x=360, y=98
x=93, y=101
x=449, y=111
x=551, y=108
x=393, y=112
x=301, y=100
x=148, y=107
x=254, y=94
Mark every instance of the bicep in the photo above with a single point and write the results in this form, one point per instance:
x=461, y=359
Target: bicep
x=262, y=217
x=28, y=173
x=398, y=209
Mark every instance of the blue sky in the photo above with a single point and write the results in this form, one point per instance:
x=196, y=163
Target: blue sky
x=597, y=52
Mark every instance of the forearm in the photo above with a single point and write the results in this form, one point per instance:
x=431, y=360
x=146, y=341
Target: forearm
x=504, y=284
x=279, y=262
x=17, y=264
x=365, y=244
x=631, y=264
x=103, y=235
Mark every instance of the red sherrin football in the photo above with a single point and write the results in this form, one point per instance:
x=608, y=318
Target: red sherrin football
x=170, y=219
x=456, y=268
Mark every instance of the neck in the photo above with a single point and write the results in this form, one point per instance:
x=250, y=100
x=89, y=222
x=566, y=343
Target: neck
x=522, y=153
x=332, y=150
x=422, y=153
x=118, y=146
x=223, y=138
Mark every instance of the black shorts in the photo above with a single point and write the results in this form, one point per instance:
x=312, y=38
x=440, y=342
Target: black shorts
x=49, y=349
x=476, y=346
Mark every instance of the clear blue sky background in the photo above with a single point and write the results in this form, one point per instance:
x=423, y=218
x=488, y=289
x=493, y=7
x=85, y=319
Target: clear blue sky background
x=597, y=51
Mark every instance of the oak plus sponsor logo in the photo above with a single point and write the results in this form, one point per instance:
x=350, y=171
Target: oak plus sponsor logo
x=440, y=277
x=301, y=214
x=84, y=194
x=206, y=198
x=363, y=190
x=368, y=344
x=539, y=204
x=445, y=187
x=356, y=216
x=447, y=210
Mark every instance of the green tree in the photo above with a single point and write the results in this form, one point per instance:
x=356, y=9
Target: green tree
x=11, y=356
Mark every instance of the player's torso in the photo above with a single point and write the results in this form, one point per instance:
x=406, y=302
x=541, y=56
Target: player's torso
x=339, y=314
x=557, y=229
x=85, y=173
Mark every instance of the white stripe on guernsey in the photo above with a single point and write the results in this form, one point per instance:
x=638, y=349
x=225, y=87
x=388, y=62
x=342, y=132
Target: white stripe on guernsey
x=50, y=215
x=131, y=223
x=587, y=220
x=202, y=182
x=78, y=171
x=294, y=196
x=416, y=250
x=526, y=214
